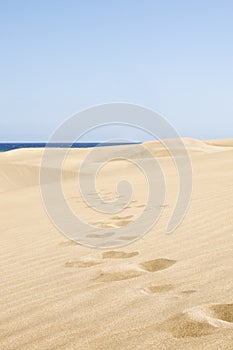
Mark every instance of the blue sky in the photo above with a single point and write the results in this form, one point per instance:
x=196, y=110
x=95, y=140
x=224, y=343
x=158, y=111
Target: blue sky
x=58, y=57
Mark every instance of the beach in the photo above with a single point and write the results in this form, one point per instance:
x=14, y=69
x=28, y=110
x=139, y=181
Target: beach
x=163, y=291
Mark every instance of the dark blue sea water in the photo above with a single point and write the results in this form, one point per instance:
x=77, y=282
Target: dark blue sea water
x=11, y=146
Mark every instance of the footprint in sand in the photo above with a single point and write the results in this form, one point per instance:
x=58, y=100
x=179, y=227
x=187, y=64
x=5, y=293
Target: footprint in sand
x=188, y=292
x=157, y=264
x=150, y=266
x=128, y=238
x=82, y=264
x=118, y=255
x=101, y=224
x=118, y=276
x=121, y=223
x=222, y=312
x=159, y=288
x=183, y=326
x=199, y=321
x=121, y=217
x=104, y=235
x=217, y=315
x=113, y=224
x=68, y=243
x=164, y=288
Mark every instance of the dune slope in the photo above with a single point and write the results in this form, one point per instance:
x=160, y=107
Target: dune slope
x=166, y=292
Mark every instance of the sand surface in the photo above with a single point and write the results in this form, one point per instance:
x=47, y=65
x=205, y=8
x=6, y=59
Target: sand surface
x=161, y=292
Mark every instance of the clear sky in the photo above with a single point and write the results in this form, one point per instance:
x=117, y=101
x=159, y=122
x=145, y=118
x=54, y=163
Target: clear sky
x=58, y=57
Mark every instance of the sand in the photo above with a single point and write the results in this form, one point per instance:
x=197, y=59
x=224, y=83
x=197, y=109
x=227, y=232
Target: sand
x=161, y=292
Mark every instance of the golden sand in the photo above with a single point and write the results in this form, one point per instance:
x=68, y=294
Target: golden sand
x=162, y=292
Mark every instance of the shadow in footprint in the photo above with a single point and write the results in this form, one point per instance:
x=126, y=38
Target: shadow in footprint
x=159, y=288
x=118, y=276
x=188, y=292
x=182, y=326
x=101, y=224
x=128, y=238
x=223, y=312
x=68, y=243
x=121, y=223
x=122, y=217
x=118, y=255
x=157, y=264
x=104, y=235
x=82, y=264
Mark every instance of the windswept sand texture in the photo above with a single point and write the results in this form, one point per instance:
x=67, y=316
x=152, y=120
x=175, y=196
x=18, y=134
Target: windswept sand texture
x=163, y=292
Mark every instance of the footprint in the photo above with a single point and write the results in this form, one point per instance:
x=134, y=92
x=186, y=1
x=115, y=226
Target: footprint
x=122, y=217
x=118, y=255
x=118, y=276
x=122, y=223
x=157, y=264
x=182, y=326
x=217, y=315
x=102, y=224
x=68, y=243
x=159, y=288
x=114, y=224
x=188, y=292
x=128, y=238
x=94, y=235
x=82, y=264
x=223, y=312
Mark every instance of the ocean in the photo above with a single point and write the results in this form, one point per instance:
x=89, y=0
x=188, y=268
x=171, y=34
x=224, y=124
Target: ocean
x=11, y=146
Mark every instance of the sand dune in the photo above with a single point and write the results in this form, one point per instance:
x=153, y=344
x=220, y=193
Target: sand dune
x=221, y=142
x=165, y=292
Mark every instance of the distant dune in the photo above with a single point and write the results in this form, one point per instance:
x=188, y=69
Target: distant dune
x=222, y=142
x=165, y=292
